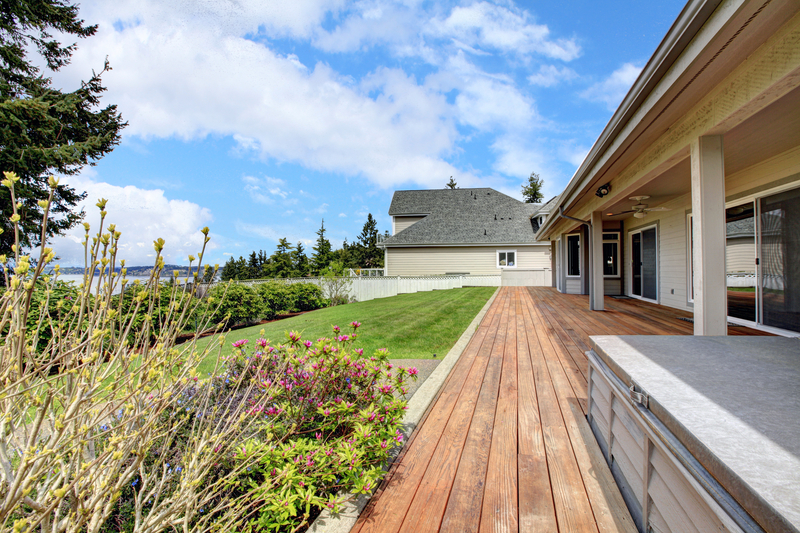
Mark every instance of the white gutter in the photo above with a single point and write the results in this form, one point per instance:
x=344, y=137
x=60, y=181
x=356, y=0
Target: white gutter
x=693, y=16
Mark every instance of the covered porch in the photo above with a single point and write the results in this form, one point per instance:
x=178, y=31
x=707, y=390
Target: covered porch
x=506, y=445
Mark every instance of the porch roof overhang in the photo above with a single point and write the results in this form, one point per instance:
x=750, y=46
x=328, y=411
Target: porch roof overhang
x=709, y=39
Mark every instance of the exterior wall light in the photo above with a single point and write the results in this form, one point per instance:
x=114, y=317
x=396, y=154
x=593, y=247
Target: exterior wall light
x=603, y=190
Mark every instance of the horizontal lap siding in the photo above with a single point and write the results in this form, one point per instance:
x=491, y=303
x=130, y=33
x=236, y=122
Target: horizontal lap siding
x=740, y=255
x=438, y=260
x=401, y=223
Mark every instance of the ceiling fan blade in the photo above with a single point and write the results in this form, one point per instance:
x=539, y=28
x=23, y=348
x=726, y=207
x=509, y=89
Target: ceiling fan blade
x=620, y=213
x=657, y=209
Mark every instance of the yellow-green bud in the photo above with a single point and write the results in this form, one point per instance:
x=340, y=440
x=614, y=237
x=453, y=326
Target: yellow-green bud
x=42, y=203
x=52, y=182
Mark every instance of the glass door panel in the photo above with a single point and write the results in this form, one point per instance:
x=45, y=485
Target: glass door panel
x=649, y=264
x=636, y=267
x=780, y=260
x=740, y=261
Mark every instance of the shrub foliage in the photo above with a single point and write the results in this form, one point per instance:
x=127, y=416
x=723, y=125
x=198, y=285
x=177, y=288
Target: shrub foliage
x=106, y=426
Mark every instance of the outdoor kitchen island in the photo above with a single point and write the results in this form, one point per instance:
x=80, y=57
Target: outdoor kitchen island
x=701, y=433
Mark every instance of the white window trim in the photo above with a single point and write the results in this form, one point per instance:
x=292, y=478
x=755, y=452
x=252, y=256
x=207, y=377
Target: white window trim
x=566, y=256
x=618, y=240
x=689, y=260
x=497, y=258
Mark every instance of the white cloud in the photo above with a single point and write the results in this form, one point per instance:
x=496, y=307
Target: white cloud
x=613, y=89
x=550, y=75
x=487, y=25
x=272, y=233
x=142, y=216
x=168, y=82
x=190, y=69
x=266, y=190
x=484, y=101
x=342, y=215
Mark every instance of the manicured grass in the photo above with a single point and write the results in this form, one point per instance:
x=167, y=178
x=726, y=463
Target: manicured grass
x=742, y=289
x=411, y=326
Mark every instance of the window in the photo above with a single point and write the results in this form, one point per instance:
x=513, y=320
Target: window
x=573, y=255
x=611, y=255
x=506, y=258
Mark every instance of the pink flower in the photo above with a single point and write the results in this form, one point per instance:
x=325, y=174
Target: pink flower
x=262, y=342
x=413, y=371
x=240, y=343
x=336, y=329
x=308, y=344
x=356, y=324
x=359, y=351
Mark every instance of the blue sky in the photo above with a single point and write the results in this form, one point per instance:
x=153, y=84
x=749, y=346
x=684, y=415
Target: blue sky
x=258, y=119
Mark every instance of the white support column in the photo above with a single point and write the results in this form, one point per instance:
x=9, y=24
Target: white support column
x=598, y=285
x=708, y=248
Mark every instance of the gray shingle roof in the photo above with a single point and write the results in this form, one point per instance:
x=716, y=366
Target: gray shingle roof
x=463, y=216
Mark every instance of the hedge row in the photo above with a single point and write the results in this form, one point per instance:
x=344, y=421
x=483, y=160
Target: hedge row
x=242, y=303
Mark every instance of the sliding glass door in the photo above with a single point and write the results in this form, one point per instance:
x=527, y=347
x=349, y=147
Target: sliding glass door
x=780, y=260
x=740, y=261
x=644, y=263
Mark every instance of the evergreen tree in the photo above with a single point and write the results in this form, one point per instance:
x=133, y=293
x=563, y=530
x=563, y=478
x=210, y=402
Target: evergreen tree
x=532, y=191
x=301, y=264
x=253, y=267
x=368, y=254
x=281, y=262
x=451, y=184
x=322, y=255
x=235, y=269
x=45, y=131
x=344, y=256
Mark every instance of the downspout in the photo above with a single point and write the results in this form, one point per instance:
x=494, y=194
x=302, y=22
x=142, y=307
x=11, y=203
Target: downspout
x=591, y=252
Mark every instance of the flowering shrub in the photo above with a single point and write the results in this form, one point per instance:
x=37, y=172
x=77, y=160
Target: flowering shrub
x=327, y=427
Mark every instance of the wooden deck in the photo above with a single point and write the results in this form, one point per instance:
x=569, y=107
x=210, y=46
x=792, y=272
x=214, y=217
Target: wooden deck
x=506, y=445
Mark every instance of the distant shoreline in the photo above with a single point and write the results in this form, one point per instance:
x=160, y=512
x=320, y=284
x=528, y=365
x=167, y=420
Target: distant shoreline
x=136, y=271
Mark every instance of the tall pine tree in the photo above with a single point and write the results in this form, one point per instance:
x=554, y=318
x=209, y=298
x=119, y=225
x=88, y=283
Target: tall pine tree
x=322, y=255
x=43, y=130
x=368, y=254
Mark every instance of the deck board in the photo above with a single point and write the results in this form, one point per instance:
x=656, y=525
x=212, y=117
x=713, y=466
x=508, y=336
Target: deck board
x=506, y=445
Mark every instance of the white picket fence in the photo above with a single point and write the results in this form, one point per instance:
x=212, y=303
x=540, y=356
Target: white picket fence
x=369, y=288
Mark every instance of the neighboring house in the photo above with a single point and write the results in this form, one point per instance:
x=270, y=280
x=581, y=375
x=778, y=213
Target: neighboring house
x=463, y=231
x=710, y=135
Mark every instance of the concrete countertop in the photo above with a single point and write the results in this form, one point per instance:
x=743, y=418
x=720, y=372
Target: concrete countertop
x=734, y=402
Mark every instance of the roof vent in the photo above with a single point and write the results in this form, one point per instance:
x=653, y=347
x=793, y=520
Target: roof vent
x=495, y=217
x=484, y=232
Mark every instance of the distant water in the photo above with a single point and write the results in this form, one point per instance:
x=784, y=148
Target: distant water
x=77, y=279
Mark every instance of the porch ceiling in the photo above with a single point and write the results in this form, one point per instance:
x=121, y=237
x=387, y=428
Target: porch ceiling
x=772, y=131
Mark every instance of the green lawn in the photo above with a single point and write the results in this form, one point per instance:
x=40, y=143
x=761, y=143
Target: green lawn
x=411, y=326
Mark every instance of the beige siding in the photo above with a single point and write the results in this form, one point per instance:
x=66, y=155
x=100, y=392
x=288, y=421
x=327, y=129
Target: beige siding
x=401, y=223
x=438, y=260
x=612, y=286
x=740, y=255
x=573, y=285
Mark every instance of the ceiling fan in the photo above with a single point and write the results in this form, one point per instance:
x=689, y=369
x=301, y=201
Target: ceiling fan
x=639, y=210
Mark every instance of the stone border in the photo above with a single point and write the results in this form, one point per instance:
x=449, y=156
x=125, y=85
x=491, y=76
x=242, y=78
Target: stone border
x=344, y=521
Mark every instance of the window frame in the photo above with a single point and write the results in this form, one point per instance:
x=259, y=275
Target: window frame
x=580, y=256
x=618, y=242
x=497, y=258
